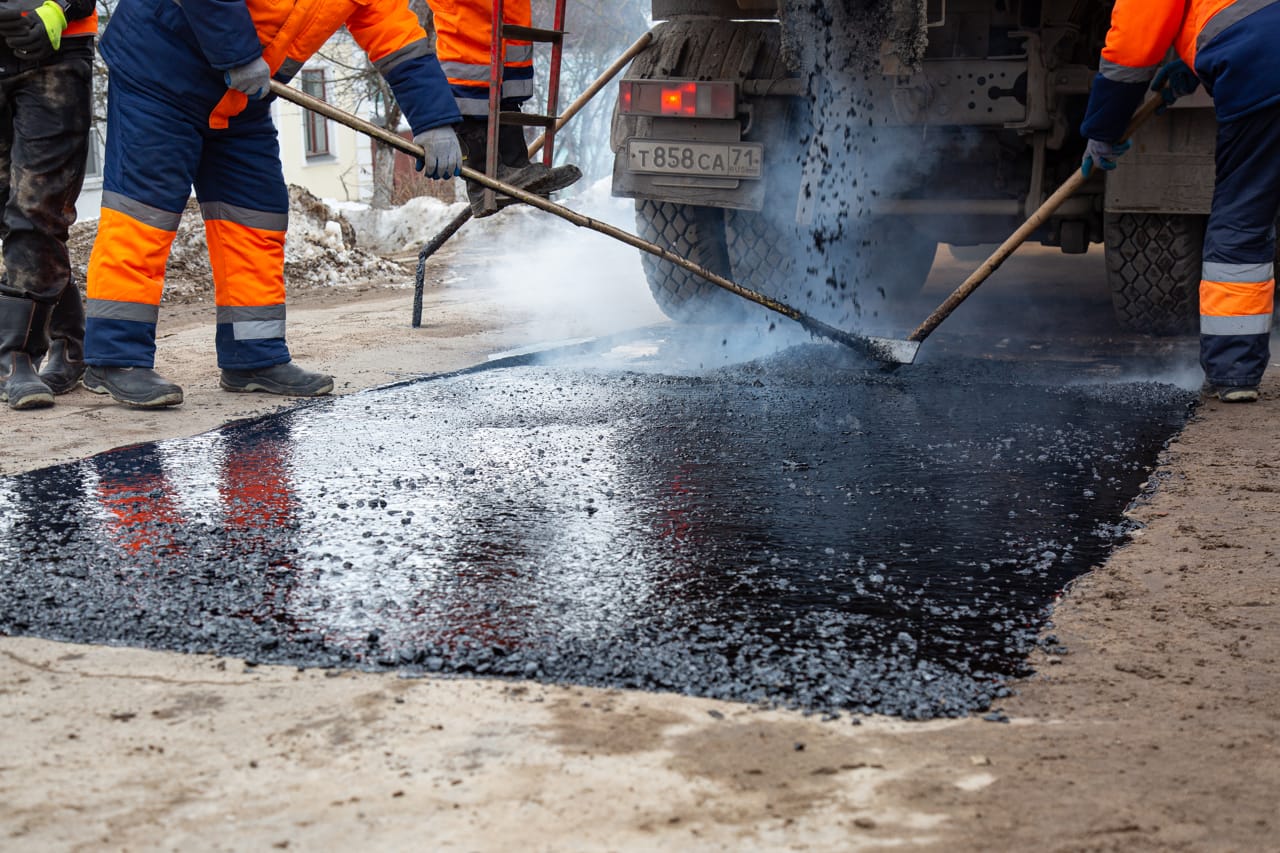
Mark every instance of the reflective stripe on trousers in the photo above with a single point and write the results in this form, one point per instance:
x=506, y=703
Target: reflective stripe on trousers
x=1237, y=288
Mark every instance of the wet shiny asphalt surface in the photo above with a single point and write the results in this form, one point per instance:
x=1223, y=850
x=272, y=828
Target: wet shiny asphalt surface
x=803, y=528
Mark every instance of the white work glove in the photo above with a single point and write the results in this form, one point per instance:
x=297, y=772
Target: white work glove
x=253, y=78
x=441, y=154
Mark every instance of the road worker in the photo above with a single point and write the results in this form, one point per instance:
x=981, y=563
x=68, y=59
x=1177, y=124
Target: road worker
x=188, y=103
x=46, y=81
x=464, y=32
x=1232, y=48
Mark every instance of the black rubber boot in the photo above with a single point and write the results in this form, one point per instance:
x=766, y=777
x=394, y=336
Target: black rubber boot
x=135, y=386
x=20, y=323
x=64, y=366
x=472, y=136
x=513, y=152
x=287, y=380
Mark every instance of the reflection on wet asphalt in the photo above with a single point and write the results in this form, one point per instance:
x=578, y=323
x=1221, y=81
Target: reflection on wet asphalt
x=802, y=529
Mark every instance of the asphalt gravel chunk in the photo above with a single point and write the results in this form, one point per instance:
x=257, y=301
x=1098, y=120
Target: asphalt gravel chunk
x=804, y=530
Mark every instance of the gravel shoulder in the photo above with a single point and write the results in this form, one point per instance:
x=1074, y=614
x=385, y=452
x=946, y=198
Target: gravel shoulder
x=1157, y=729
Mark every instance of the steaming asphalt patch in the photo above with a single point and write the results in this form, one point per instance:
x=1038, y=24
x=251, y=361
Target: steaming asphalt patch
x=805, y=529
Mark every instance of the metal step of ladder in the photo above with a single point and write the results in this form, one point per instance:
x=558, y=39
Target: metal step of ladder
x=501, y=33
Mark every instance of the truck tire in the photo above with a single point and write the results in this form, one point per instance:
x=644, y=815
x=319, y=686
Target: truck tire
x=695, y=233
x=1153, y=269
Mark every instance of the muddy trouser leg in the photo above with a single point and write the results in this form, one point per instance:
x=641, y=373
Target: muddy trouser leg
x=1238, y=277
x=46, y=119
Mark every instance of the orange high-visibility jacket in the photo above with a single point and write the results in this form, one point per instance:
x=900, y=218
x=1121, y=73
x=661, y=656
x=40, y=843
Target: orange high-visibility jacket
x=464, y=35
x=1231, y=44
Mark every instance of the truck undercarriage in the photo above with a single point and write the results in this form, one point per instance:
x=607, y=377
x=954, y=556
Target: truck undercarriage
x=830, y=177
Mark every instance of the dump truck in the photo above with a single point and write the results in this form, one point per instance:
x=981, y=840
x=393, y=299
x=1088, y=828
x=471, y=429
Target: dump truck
x=970, y=110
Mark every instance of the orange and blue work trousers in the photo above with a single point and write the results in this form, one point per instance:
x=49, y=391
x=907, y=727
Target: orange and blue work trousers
x=464, y=46
x=1238, y=283
x=156, y=151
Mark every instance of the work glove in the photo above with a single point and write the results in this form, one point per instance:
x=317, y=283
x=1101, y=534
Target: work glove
x=33, y=33
x=252, y=78
x=441, y=154
x=1174, y=80
x=1101, y=154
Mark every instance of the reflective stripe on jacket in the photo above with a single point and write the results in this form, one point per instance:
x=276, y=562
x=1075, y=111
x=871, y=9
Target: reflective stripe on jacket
x=464, y=41
x=1231, y=44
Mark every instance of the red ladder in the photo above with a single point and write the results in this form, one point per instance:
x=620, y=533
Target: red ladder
x=547, y=121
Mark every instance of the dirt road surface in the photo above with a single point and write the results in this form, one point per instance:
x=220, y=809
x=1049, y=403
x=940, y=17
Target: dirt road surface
x=1157, y=729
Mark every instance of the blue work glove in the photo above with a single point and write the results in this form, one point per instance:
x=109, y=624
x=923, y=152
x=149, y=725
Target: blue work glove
x=1102, y=154
x=35, y=32
x=441, y=154
x=252, y=78
x=1174, y=80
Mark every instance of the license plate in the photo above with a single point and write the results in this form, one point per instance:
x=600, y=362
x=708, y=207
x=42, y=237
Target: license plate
x=711, y=159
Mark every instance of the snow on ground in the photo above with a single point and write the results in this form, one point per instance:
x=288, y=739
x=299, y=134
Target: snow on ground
x=407, y=227
x=397, y=229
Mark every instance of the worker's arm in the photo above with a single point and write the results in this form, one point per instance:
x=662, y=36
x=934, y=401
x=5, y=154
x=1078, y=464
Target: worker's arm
x=224, y=31
x=33, y=28
x=389, y=33
x=1141, y=34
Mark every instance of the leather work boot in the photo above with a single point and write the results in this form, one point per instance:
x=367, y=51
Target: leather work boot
x=513, y=152
x=514, y=166
x=1238, y=394
x=19, y=383
x=64, y=365
x=287, y=380
x=135, y=386
x=1230, y=393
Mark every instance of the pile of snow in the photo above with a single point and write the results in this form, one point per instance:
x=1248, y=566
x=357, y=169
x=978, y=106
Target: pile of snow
x=320, y=251
x=406, y=228
x=397, y=229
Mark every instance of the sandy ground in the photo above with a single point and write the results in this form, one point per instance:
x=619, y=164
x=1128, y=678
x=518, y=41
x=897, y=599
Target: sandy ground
x=1156, y=730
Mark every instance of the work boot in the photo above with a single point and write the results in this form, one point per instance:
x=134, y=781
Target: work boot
x=287, y=380
x=20, y=322
x=1238, y=394
x=514, y=167
x=65, y=363
x=513, y=152
x=135, y=386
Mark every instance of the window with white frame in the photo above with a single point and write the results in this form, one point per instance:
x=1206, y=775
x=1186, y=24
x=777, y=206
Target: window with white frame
x=315, y=126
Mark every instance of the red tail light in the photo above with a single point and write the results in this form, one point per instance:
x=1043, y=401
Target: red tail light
x=690, y=98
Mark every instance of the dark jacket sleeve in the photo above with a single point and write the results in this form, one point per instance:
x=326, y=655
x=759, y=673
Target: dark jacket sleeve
x=224, y=30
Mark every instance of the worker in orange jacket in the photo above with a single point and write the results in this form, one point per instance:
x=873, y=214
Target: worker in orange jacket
x=464, y=33
x=1231, y=45
x=46, y=76
x=189, y=103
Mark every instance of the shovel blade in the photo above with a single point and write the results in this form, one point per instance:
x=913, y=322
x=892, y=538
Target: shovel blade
x=894, y=350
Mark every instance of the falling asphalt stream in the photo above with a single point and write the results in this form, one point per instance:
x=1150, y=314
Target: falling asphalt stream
x=802, y=529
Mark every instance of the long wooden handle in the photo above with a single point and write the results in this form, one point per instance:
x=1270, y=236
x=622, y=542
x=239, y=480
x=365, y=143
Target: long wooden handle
x=1017, y=238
